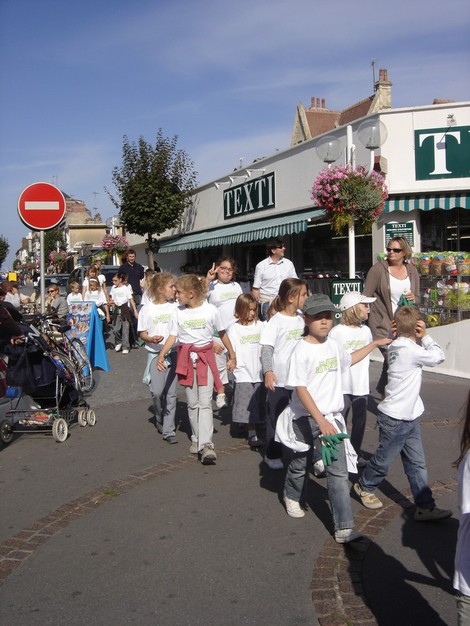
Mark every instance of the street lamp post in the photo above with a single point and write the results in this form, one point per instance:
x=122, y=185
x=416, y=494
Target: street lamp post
x=372, y=134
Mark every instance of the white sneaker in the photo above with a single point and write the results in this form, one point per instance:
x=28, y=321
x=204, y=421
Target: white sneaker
x=125, y=351
x=319, y=469
x=208, y=455
x=118, y=346
x=293, y=508
x=345, y=535
x=274, y=464
x=193, y=448
x=220, y=401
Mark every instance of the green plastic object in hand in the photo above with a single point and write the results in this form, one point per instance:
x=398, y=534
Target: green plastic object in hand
x=334, y=439
x=328, y=447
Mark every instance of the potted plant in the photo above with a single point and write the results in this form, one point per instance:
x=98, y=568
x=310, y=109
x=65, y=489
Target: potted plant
x=350, y=195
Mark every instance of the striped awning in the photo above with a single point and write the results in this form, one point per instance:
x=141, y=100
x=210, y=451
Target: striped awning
x=247, y=231
x=428, y=202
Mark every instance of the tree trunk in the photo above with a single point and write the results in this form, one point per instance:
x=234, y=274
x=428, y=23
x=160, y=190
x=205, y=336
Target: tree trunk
x=150, y=251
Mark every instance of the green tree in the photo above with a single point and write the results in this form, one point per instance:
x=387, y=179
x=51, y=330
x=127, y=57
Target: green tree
x=154, y=186
x=4, y=248
x=51, y=237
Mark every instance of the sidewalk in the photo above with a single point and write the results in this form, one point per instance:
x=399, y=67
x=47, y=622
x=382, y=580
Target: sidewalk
x=116, y=526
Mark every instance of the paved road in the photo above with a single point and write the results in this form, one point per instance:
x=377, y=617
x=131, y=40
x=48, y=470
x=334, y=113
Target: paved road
x=116, y=526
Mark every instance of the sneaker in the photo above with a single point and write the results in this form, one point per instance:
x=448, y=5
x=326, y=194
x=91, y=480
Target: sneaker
x=159, y=426
x=293, y=508
x=170, y=439
x=319, y=469
x=345, y=535
x=208, y=455
x=125, y=351
x=431, y=515
x=274, y=464
x=118, y=346
x=367, y=498
x=220, y=400
x=255, y=443
x=193, y=448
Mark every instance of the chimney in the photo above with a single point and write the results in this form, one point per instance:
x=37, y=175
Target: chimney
x=383, y=91
x=323, y=103
x=312, y=102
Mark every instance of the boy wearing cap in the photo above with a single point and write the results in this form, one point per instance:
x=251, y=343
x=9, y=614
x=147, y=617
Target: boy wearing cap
x=398, y=416
x=315, y=374
x=353, y=334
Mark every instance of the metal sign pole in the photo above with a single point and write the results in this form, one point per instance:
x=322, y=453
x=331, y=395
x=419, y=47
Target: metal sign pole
x=43, y=272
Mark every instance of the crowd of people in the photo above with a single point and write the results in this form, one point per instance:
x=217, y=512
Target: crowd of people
x=292, y=377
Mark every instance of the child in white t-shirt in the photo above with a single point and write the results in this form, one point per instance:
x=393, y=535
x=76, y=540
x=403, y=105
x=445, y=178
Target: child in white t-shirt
x=74, y=295
x=245, y=336
x=154, y=318
x=278, y=340
x=94, y=293
x=353, y=334
x=122, y=301
x=193, y=324
x=315, y=374
x=398, y=417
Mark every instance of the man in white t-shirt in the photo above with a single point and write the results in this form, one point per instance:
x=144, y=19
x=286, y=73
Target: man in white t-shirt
x=270, y=273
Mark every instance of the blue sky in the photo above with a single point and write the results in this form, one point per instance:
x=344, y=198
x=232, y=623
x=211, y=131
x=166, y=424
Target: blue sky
x=75, y=77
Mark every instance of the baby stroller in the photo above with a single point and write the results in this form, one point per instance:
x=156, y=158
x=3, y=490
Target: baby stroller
x=44, y=381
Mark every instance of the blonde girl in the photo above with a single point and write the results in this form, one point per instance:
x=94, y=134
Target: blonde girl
x=154, y=318
x=94, y=293
x=193, y=323
x=145, y=284
x=278, y=340
x=352, y=334
x=245, y=336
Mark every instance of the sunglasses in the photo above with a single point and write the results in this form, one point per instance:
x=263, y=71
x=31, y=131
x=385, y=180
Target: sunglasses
x=397, y=250
x=51, y=290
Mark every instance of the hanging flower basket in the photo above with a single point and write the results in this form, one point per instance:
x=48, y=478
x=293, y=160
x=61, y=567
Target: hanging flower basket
x=114, y=243
x=348, y=195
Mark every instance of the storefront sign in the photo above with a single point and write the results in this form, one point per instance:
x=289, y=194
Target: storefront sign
x=405, y=230
x=442, y=152
x=250, y=197
x=339, y=288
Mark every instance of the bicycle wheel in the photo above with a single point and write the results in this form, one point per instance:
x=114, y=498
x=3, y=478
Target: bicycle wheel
x=82, y=363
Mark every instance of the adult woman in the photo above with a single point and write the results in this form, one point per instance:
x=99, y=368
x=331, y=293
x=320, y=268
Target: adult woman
x=223, y=292
x=387, y=281
x=13, y=295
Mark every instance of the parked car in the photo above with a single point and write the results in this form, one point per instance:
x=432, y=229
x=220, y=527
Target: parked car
x=57, y=279
x=79, y=273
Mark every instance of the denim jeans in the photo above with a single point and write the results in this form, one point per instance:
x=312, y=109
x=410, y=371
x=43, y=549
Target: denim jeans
x=399, y=437
x=201, y=419
x=306, y=430
x=163, y=389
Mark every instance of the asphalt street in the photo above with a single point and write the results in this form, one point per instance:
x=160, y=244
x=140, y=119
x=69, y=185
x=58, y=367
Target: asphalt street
x=115, y=526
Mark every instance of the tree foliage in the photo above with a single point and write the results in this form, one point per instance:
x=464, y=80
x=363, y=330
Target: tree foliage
x=50, y=239
x=4, y=248
x=154, y=186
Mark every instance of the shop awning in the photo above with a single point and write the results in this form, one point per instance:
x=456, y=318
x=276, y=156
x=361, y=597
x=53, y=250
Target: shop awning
x=247, y=231
x=428, y=202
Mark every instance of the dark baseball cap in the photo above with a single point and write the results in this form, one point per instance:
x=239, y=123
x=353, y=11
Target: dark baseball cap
x=318, y=303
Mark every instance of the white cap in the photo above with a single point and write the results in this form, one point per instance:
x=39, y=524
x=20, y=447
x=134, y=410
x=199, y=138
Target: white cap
x=352, y=298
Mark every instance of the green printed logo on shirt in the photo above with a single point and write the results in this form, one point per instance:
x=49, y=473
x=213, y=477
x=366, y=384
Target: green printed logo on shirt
x=194, y=323
x=354, y=344
x=162, y=318
x=327, y=365
x=294, y=334
x=250, y=338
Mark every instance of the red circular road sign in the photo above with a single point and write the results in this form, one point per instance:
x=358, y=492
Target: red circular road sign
x=41, y=206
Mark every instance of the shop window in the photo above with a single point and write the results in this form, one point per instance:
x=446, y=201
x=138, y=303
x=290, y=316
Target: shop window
x=445, y=230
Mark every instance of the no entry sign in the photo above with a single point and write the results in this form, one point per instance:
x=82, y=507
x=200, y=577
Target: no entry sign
x=41, y=206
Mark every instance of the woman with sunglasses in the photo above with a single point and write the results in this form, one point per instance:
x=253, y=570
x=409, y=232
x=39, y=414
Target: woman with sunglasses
x=55, y=303
x=388, y=281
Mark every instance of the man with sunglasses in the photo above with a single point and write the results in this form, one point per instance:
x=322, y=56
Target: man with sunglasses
x=387, y=281
x=270, y=273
